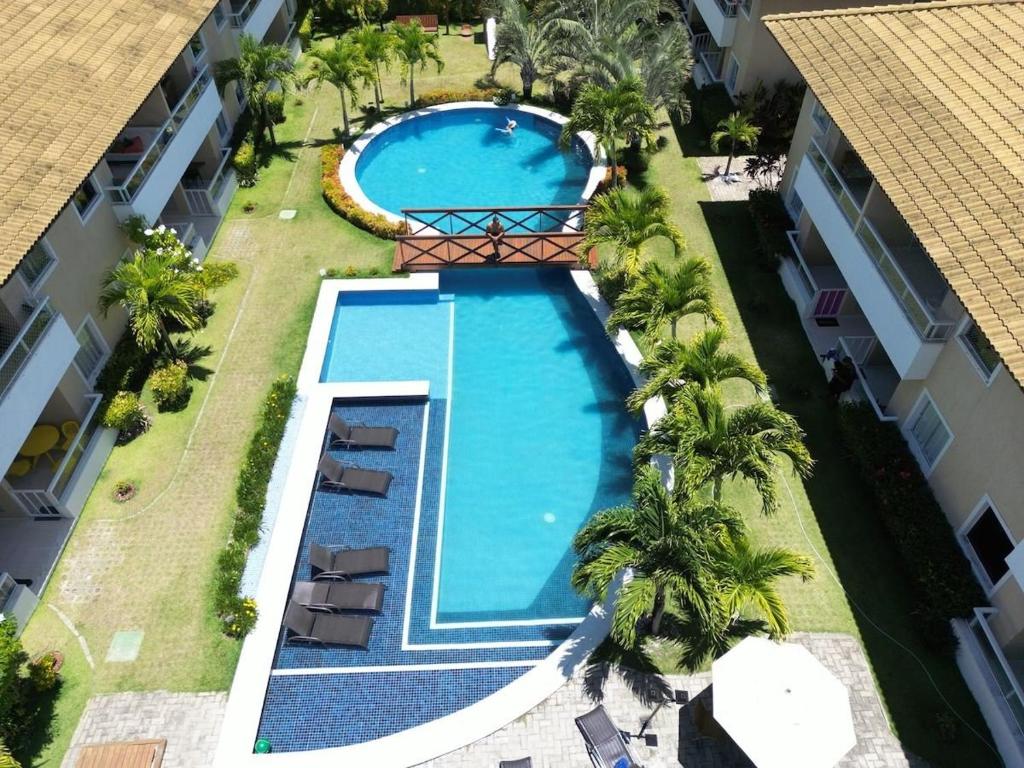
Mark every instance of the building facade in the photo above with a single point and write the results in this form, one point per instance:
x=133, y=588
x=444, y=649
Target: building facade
x=168, y=164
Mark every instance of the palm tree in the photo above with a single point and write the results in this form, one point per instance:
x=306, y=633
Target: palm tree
x=708, y=444
x=344, y=66
x=614, y=115
x=661, y=295
x=667, y=542
x=529, y=44
x=256, y=68
x=739, y=130
x=378, y=49
x=626, y=219
x=701, y=362
x=415, y=48
x=153, y=291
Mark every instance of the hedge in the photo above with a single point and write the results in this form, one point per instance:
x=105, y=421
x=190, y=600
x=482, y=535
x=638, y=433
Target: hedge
x=944, y=584
x=236, y=613
x=447, y=96
x=770, y=223
x=343, y=205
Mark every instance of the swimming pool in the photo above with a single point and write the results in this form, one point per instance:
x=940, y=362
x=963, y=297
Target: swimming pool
x=536, y=435
x=449, y=157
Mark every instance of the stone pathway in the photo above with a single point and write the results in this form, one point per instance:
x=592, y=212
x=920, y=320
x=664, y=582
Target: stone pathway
x=737, y=186
x=190, y=722
x=548, y=733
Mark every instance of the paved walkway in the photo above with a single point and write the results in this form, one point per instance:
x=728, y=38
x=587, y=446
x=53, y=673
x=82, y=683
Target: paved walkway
x=190, y=722
x=736, y=186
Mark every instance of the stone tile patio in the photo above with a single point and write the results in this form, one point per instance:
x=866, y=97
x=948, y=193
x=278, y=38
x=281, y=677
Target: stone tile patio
x=737, y=186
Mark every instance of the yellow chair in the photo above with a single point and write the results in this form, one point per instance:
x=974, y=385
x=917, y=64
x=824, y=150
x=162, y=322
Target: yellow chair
x=19, y=468
x=70, y=430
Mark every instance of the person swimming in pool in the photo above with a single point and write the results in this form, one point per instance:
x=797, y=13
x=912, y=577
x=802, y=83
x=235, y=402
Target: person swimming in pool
x=510, y=126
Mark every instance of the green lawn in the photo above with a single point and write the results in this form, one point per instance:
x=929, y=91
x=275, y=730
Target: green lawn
x=148, y=564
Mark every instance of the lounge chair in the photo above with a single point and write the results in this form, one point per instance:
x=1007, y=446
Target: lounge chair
x=345, y=477
x=339, y=596
x=525, y=762
x=347, y=563
x=359, y=435
x=605, y=743
x=309, y=626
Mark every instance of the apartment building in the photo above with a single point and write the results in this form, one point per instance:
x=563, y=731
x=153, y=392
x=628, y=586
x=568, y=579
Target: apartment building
x=732, y=46
x=905, y=180
x=109, y=110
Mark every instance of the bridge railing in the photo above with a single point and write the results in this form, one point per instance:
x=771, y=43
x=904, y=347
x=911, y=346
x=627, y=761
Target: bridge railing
x=473, y=221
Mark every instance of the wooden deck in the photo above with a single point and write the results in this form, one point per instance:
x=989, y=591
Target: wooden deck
x=124, y=754
x=430, y=252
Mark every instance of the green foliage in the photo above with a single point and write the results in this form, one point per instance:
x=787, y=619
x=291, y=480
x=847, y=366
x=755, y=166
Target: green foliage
x=739, y=130
x=713, y=104
x=125, y=412
x=449, y=95
x=306, y=29
x=771, y=222
x=378, y=48
x=42, y=673
x=340, y=202
x=170, y=385
x=237, y=614
x=626, y=219
x=944, y=585
x=777, y=110
x=530, y=42
x=660, y=296
x=12, y=658
x=414, y=49
x=275, y=107
x=135, y=227
x=126, y=370
x=258, y=66
x=246, y=164
x=342, y=65
x=6, y=759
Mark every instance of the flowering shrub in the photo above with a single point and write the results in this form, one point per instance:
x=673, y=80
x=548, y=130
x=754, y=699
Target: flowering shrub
x=447, y=96
x=170, y=386
x=251, y=497
x=345, y=206
x=246, y=164
x=125, y=413
x=606, y=182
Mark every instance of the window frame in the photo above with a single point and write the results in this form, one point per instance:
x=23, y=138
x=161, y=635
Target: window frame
x=94, y=330
x=746, y=7
x=33, y=288
x=923, y=400
x=725, y=80
x=84, y=216
x=820, y=129
x=988, y=377
x=788, y=203
x=226, y=133
x=223, y=16
x=972, y=557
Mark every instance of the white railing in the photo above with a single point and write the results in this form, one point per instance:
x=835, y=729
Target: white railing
x=1001, y=674
x=858, y=348
x=727, y=7
x=805, y=272
x=242, y=15
x=917, y=310
x=21, y=348
x=712, y=61
x=126, y=190
x=700, y=42
x=202, y=194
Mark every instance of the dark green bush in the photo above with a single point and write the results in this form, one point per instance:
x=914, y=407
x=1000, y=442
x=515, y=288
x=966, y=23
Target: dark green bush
x=275, y=106
x=770, y=223
x=126, y=370
x=944, y=585
x=712, y=104
x=238, y=614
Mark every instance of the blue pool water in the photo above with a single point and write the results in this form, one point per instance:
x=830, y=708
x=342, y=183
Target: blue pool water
x=458, y=158
x=537, y=435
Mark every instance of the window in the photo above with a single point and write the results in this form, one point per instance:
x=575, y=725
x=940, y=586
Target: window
x=92, y=350
x=37, y=264
x=85, y=198
x=821, y=119
x=927, y=432
x=732, y=74
x=223, y=129
x=987, y=542
x=219, y=16
x=980, y=350
x=745, y=7
x=794, y=204
x=197, y=46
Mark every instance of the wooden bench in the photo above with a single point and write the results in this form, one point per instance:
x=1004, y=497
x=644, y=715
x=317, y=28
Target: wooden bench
x=427, y=20
x=148, y=753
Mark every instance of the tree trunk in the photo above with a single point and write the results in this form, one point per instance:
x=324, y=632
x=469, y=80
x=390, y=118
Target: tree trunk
x=344, y=113
x=674, y=329
x=527, y=86
x=412, y=93
x=716, y=489
x=378, y=96
x=659, y=610
x=732, y=151
x=270, y=125
x=615, y=165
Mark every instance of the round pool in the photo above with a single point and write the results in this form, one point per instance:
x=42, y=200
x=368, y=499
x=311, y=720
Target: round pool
x=460, y=156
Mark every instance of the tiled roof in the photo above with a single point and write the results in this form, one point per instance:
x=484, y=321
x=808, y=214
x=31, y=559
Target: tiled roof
x=931, y=96
x=72, y=73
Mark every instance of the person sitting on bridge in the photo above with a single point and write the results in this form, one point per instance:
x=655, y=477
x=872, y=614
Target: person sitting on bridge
x=496, y=232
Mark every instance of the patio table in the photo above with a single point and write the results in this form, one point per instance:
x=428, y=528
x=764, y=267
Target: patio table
x=40, y=441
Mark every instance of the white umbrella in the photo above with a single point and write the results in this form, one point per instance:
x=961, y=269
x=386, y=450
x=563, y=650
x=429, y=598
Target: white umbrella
x=781, y=706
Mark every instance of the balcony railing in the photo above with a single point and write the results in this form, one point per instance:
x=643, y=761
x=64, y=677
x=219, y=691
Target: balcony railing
x=125, y=192
x=239, y=17
x=921, y=316
x=859, y=349
x=728, y=7
x=806, y=277
x=202, y=194
x=712, y=61
x=1001, y=674
x=21, y=348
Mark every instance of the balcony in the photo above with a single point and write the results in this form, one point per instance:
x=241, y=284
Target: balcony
x=210, y=196
x=253, y=17
x=147, y=162
x=880, y=275
x=31, y=366
x=876, y=378
x=720, y=18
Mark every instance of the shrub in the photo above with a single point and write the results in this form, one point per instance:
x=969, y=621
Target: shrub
x=606, y=182
x=238, y=615
x=170, y=386
x=6, y=759
x=275, y=107
x=611, y=283
x=246, y=164
x=943, y=583
x=306, y=29
x=504, y=97
x=126, y=370
x=42, y=673
x=713, y=103
x=448, y=95
x=343, y=205
x=771, y=221
x=125, y=413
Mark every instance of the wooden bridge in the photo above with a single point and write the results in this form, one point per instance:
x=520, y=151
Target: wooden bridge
x=457, y=237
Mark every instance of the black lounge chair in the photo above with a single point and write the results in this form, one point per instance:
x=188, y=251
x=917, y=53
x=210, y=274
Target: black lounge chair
x=606, y=745
x=357, y=435
x=346, y=477
x=525, y=762
x=309, y=626
x=347, y=563
x=339, y=596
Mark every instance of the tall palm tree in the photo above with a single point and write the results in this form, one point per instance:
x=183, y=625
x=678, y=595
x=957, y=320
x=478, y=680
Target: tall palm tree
x=530, y=44
x=344, y=66
x=709, y=444
x=256, y=68
x=701, y=362
x=415, y=49
x=667, y=543
x=153, y=291
x=378, y=49
x=614, y=115
x=627, y=218
x=661, y=295
x=738, y=129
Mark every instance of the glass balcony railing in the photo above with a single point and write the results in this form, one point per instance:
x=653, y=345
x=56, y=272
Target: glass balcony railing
x=242, y=13
x=727, y=7
x=22, y=346
x=125, y=192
